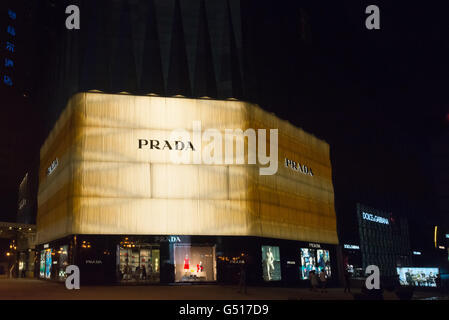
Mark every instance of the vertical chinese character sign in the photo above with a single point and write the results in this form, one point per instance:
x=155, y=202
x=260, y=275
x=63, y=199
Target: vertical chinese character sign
x=8, y=49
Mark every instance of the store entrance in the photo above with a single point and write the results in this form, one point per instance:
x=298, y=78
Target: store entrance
x=138, y=262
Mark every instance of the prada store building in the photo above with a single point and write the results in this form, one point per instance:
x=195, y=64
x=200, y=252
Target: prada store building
x=145, y=189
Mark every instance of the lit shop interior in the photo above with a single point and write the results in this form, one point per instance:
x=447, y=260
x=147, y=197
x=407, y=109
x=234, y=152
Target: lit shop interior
x=178, y=259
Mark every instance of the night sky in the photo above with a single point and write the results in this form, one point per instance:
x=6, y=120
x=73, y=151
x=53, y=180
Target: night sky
x=379, y=97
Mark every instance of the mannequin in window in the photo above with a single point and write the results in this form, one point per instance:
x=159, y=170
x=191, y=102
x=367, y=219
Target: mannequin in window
x=199, y=267
x=186, y=263
x=270, y=265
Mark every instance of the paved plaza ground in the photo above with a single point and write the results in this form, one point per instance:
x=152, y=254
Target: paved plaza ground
x=32, y=289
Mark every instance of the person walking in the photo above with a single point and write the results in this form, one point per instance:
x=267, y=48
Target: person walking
x=323, y=280
x=137, y=273
x=144, y=272
x=347, y=276
x=439, y=284
x=313, y=280
x=242, y=282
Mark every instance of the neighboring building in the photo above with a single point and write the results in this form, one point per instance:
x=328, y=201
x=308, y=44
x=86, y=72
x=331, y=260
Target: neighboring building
x=112, y=201
x=216, y=48
x=16, y=44
x=23, y=205
x=19, y=120
x=165, y=47
x=9, y=24
x=20, y=253
x=27, y=200
x=384, y=241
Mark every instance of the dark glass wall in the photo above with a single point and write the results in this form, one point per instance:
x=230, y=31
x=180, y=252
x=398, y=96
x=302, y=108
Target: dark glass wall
x=96, y=256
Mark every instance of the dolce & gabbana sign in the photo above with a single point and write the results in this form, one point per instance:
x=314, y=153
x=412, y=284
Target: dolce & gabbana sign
x=374, y=218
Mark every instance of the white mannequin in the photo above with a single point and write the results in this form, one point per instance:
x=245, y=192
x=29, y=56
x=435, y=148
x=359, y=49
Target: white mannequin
x=270, y=265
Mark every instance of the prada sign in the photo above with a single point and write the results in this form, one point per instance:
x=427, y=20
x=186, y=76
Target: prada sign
x=165, y=144
x=298, y=167
x=218, y=146
x=52, y=166
x=170, y=239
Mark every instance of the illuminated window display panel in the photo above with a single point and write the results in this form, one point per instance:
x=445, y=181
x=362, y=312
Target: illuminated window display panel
x=271, y=263
x=48, y=263
x=323, y=261
x=308, y=262
x=63, y=262
x=42, y=264
x=417, y=277
x=195, y=263
x=140, y=263
x=21, y=265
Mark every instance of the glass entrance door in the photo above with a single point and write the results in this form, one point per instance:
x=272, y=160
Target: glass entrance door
x=138, y=263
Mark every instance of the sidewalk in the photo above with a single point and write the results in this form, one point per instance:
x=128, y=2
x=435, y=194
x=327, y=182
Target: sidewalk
x=31, y=289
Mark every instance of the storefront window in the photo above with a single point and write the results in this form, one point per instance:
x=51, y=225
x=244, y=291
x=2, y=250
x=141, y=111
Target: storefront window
x=195, y=263
x=48, y=263
x=420, y=277
x=63, y=262
x=324, y=261
x=138, y=262
x=42, y=264
x=271, y=263
x=308, y=262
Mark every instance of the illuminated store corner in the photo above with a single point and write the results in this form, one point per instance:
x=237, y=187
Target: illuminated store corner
x=124, y=213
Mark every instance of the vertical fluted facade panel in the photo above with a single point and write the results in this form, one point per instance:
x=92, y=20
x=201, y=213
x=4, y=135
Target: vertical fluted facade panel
x=152, y=79
x=205, y=82
x=178, y=82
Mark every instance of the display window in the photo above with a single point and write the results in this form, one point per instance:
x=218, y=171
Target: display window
x=353, y=262
x=271, y=263
x=48, y=263
x=194, y=263
x=419, y=277
x=22, y=264
x=23, y=259
x=323, y=261
x=42, y=264
x=138, y=262
x=63, y=262
x=308, y=262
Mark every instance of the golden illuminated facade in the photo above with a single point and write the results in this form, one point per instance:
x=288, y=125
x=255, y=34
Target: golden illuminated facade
x=94, y=178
